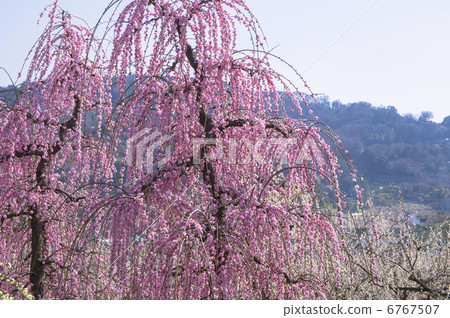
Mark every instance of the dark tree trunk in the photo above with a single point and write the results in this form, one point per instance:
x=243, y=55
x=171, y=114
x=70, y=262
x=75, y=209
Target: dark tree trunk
x=37, y=256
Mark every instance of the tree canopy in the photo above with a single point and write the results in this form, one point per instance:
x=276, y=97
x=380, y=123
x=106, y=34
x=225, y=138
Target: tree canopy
x=232, y=210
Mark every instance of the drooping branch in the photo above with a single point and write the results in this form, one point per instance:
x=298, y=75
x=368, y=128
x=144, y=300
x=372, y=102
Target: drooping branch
x=27, y=151
x=13, y=215
x=241, y=122
x=69, y=198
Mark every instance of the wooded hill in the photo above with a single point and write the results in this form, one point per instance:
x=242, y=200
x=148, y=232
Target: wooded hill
x=392, y=152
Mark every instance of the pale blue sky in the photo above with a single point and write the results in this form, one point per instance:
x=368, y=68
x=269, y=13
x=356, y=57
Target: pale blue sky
x=396, y=53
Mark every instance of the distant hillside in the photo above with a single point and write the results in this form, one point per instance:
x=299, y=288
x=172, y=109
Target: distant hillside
x=394, y=152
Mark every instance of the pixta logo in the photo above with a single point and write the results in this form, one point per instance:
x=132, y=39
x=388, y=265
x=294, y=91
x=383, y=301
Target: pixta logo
x=261, y=151
x=144, y=147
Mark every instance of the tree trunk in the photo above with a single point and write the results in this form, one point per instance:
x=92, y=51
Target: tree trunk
x=37, y=256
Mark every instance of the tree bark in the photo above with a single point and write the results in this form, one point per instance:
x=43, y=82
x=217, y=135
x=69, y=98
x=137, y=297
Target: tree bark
x=37, y=255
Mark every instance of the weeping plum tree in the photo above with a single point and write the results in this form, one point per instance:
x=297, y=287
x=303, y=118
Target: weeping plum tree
x=233, y=210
